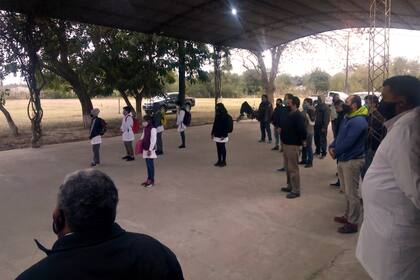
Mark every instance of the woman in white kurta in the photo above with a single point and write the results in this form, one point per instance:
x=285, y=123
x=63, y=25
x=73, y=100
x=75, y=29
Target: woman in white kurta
x=127, y=133
x=180, y=115
x=148, y=139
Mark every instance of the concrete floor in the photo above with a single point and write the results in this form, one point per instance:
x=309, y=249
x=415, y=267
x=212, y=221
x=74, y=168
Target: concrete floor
x=231, y=223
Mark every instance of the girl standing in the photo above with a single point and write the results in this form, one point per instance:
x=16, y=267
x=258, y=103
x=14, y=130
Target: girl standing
x=127, y=133
x=222, y=126
x=148, y=139
x=180, y=115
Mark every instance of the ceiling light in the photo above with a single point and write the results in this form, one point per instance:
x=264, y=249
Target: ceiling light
x=234, y=12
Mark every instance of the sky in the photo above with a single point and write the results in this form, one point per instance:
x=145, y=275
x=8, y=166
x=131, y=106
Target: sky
x=403, y=43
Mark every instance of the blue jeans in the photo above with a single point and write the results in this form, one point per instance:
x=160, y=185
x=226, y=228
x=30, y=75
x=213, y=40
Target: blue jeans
x=150, y=169
x=307, y=153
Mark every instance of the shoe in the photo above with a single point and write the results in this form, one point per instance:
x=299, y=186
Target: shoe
x=276, y=148
x=223, y=164
x=281, y=169
x=321, y=156
x=149, y=184
x=261, y=141
x=92, y=164
x=340, y=220
x=145, y=183
x=126, y=157
x=292, y=195
x=130, y=159
x=286, y=189
x=336, y=184
x=301, y=162
x=182, y=147
x=348, y=228
x=308, y=165
x=217, y=164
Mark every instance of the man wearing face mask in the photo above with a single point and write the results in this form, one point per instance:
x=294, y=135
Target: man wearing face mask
x=277, y=118
x=389, y=241
x=264, y=116
x=91, y=245
x=322, y=121
x=349, y=149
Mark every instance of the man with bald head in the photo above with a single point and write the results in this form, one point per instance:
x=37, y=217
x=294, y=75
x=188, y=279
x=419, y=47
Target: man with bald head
x=349, y=150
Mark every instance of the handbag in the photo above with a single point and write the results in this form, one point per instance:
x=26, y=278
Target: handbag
x=139, y=147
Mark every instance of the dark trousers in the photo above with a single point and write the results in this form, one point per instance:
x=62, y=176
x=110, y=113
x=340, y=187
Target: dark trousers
x=369, y=154
x=307, y=153
x=221, y=152
x=276, y=136
x=129, y=148
x=265, y=128
x=150, y=169
x=159, y=143
x=96, y=156
x=182, y=137
x=320, y=138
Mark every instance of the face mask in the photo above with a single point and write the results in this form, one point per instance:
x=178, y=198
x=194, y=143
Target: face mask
x=305, y=106
x=346, y=109
x=145, y=124
x=387, y=109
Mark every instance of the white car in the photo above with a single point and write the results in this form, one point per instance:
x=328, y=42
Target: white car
x=363, y=95
x=330, y=94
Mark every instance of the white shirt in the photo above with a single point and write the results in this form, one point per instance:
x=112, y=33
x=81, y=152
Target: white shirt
x=389, y=240
x=152, y=149
x=180, y=120
x=127, y=128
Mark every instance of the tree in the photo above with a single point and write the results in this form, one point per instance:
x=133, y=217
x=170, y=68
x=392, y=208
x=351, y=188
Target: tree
x=13, y=128
x=252, y=83
x=319, y=81
x=284, y=81
x=21, y=44
x=337, y=82
x=403, y=66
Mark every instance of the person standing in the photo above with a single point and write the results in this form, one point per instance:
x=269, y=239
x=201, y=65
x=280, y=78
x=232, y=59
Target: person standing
x=338, y=107
x=322, y=120
x=180, y=116
x=349, y=149
x=264, y=117
x=148, y=139
x=159, y=119
x=376, y=131
x=389, y=242
x=293, y=135
x=127, y=133
x=287, y=97
x=222, y=126
x=334, y=113
x=309, y=114
x=277, y=118
x=96, y=132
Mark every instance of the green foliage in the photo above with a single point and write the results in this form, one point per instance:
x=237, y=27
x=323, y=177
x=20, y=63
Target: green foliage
x=251, y=82
x=4, y=93
x=318, y=81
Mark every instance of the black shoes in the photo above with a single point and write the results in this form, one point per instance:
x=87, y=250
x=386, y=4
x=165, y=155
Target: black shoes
x=220, y=164
x=286, y=189
x=130, y=158
x=276, y=148
x=302, y=162
x=308, y=165
x=281, y=169
x=182, y=147
x=126, y=157
x=292, y=195
x=336, y=184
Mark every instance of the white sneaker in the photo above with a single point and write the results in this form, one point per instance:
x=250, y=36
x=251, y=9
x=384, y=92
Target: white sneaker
x=149, y=185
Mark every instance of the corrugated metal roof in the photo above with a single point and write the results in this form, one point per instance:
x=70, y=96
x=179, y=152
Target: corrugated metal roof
x=259, y=24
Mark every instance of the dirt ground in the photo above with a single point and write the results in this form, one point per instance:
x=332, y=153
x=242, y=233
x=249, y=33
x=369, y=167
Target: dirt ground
x=62, y=121
x=228, y=223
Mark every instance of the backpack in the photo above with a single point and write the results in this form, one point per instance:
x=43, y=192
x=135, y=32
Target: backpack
x=230, y=124
x=104, y=126
x=136, y=125
x=187, y=118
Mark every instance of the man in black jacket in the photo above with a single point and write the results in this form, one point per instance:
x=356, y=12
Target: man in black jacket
x=293, y=135
x=278, y=117
x=264, y=116
x=95, y=136
x=91, y=245
x=322, y=121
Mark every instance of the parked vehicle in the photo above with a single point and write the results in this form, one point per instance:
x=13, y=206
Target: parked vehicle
x=167, y=102
x=330, y=94
x=363, y=94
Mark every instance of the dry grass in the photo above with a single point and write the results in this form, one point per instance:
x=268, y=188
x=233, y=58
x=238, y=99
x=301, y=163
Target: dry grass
x=62, y=121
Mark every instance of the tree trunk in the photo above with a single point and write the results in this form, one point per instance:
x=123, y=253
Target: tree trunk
x=139, y=98
x=181, y=72
x=127, y=101
x=85, y=102
x=217, y=74
x=13, y=128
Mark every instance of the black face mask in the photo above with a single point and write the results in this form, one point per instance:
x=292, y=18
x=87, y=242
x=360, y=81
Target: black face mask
x=346, y=109
x=388, y=109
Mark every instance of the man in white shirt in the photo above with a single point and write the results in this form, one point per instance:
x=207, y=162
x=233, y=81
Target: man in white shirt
x=389, y=242
x=127, y=133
